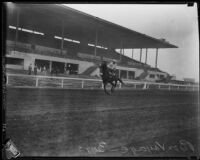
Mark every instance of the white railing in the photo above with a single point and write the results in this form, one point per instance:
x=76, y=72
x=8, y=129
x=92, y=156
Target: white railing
x=82, y=82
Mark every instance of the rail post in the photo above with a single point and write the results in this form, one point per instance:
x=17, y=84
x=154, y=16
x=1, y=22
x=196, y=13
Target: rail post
x=145, y=86
x=120, y=85
x=62, y=83
x=36, y=84
x=82, y=84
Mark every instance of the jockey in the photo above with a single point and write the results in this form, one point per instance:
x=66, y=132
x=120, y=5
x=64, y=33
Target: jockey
x=112, y=67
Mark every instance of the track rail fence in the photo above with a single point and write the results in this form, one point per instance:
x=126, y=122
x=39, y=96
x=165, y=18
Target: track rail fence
x=21, y=80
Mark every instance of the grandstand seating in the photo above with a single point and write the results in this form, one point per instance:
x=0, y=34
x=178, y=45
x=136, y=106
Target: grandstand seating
x=71, y=52
x=46, y=51
x=89, y=70
x=143, y=75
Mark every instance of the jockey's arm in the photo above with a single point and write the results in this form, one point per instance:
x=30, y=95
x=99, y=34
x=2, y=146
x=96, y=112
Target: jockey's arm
x=110, y=66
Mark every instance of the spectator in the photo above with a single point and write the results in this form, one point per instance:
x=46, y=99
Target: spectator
x=57, y=71
x=38, y=69
x=67, y=72
x=45, y=71
x=42, y=69
x=65, y=68
x=29, y=69
x=35, y=70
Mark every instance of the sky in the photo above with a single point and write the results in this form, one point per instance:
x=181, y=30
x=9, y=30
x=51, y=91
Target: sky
x=178, y=24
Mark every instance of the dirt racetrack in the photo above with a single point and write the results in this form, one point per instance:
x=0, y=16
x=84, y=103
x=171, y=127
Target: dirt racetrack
x=59, y=122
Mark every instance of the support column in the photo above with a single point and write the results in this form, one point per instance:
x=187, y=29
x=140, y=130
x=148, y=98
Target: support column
x=121, y=50
x=156, y=62
x=33, y=37
x=132, y=53
x=96, y=39
x=65, y=66
x=33, y=40
x=146, y=56
x=62, y=40
x=17, y=27
x=50, y=66
x=140, y=54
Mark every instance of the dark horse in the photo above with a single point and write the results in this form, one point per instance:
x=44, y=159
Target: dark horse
x=108, y=77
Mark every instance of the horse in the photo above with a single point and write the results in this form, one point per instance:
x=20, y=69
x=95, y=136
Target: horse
x=109, y=77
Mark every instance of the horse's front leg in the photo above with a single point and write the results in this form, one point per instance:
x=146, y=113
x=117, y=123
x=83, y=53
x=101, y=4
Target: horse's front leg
x=115, y=83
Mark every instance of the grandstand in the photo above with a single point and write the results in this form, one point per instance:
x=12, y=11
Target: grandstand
x=73, y=43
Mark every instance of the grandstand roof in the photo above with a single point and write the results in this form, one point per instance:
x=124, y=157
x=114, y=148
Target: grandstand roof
x=48, y=19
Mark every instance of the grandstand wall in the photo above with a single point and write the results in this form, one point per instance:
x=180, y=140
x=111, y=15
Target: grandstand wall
x=83, y=65
x=155, y=75
x=30, y=59
x=96, y=72
x=136, y=70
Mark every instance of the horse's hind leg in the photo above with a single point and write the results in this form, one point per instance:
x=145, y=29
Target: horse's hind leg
x=112, y=89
